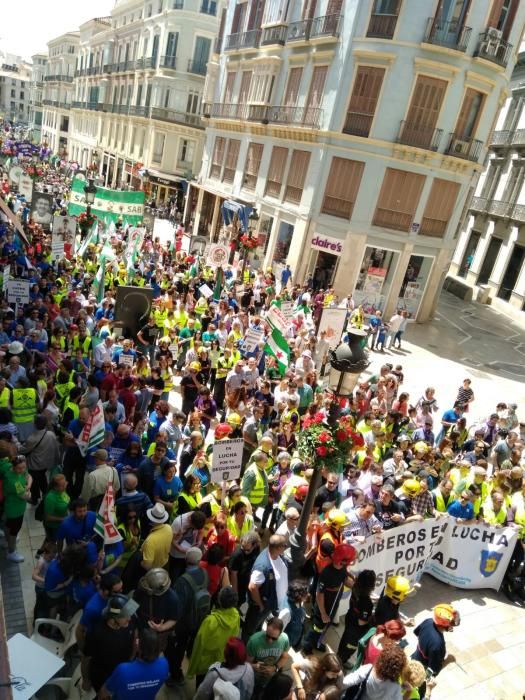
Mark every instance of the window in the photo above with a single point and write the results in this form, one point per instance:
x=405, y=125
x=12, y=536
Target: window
x=276, y=168
x=228, y=89
x=363, y=102
x=502, y=15
x=186, y=152
x=209, y=7
x=423, y=113
x=342, y=187
x=192, y=105
x=398, y=199
x=297, y=176
x=158, y=147
x=514, y=182
x=139, y=94
x=514, y=112
x=253, y=163
x=469, y=114
x=171, y=49
x=439, y=208
x=201, y=54
x=244, y=90
x=492, y=177
x=230, y=162
x=315, y=94
x=468, y=255
x=155, y=50
x=178, y=4
x=383, y=19
x=274, y=11
x=292, y=88
x=218, y=156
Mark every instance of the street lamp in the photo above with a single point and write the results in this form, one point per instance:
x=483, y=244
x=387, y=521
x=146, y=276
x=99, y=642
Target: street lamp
x=90, y=192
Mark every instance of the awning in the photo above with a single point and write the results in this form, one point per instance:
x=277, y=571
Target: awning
x=230, y=208
x=164, y=178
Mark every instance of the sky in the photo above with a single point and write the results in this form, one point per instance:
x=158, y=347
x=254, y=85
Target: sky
x=42, y=20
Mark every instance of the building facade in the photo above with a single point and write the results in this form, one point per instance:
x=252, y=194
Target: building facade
x=15, y=78
x=138, y=93
x=57, y=95
x=38, y=71
x=357, y=130
x=490, y=255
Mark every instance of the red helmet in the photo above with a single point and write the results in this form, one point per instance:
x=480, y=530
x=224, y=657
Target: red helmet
x=301, y=492
x=344, y=554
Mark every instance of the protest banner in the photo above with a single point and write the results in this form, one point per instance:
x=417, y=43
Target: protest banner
x=226, y=460
x=252, y=339
x=18, y=291
x=465, y=556
x=109, y=204
x=105, y=525
x=278, y=320
x=218, y=255
x=93, y=431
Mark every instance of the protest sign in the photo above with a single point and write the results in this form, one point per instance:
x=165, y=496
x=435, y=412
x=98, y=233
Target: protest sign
x=465, y=556
x=218, y=255
x=276, y=317
x=332, y=321
x=252, y=339
x=287, y=309
x=226, y=460
x=18, y=291
x=205, y=291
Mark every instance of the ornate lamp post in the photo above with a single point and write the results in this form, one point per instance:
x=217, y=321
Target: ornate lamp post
x=90, y=192
x=252, y=223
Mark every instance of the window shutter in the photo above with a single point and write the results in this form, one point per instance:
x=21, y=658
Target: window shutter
x=342, y=187
x=292, y=89
x=466, y=126
x=495, y=13
x=228, y=90
x=276, y=168
x=315, y=94
x=398, y=199
x=253, y=163
x=297, y=176
x=218, y=156
x=439, y=208
x=244, y=91
x=363, y=102
x=230, y=162
x=334, y=7
x=426, y=102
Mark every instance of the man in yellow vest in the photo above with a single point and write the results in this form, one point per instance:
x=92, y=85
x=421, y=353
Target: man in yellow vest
x=494, y=509
x=443, y=496
x=254, y=484
x=5, y=393
x=25, y=406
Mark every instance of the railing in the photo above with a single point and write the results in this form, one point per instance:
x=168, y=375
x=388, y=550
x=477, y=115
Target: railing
x=381, y=26
x=518, y=213
x=175, y=117
x=140, y=111
x=448, y=34
x=412, y=134
x=358, y=124
x=274, y=35
x=299, y=31
x=518, y=137
x=388, y=218
x=433, y=227
x=497, y=208
x=478, y=204
x=325, y=26
x=168, y=62
x=108, y=68
x=494, y=49
x=76, y=105
x=50, y=103
x=500, y=138
x=93, y=70
x=296, y=116
x=58, y=78
x=146, y=63
x=243, y=40
x=196, y=67
x=469, y=149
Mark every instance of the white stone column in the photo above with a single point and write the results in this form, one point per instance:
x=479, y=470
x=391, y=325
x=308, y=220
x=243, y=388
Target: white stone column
x=349, y=263
x=397, y=281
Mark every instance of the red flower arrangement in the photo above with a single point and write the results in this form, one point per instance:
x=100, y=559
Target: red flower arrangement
x=327, y=446
x=34, y=172
x=85, y=220
x=92, y=168
x=248, y=242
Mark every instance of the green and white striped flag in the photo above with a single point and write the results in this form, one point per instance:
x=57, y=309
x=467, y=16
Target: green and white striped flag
x=99, y=281
x=277, y=346
x=92, y=237
x=93, y=431
x=108, y=204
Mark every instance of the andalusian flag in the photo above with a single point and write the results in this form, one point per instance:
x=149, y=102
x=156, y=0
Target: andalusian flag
x=105, y=522
x=99, y=281
x=277, y=346
x=109, y=204
x=93, y=431
x=91, y=238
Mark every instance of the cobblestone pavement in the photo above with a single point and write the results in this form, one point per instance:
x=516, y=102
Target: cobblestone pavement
x=463, y=340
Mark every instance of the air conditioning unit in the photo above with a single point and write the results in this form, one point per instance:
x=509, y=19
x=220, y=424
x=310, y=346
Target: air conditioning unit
x=493, y=33
x=460, y=146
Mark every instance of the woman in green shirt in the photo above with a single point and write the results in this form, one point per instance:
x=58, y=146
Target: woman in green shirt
x=17, y=492
x=56, y=504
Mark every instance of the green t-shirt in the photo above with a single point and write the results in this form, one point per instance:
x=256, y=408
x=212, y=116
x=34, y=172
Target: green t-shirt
x=5, y=466
x=14, y=489
x=266, y=652
x=55, y=504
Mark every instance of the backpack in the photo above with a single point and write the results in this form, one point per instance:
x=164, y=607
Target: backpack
x=361, y=648
x=201, y=599
x=238, y=685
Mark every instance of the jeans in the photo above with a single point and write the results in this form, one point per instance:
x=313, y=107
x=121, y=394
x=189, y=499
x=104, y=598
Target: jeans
x=39, y=485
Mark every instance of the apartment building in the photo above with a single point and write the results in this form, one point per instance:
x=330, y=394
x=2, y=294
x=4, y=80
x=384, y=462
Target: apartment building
x=490, y=255
x=138, y=93
x=38, y=70
x=15, y=76
x=57, y=94
x=357, y=130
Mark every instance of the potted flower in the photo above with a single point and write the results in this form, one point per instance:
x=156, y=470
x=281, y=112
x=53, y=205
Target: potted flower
x=248, y=242
x=86, y=221
x=325, y=445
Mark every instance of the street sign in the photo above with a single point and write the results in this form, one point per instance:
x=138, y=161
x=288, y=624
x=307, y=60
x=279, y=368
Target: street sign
x=226, y=460
x=18, y=291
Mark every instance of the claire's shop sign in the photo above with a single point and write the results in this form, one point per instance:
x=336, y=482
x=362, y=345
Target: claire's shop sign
x=327, y=244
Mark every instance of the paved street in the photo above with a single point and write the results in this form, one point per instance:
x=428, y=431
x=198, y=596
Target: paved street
x=490, y=643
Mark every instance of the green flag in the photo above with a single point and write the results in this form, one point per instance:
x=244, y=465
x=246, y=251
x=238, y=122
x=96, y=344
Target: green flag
x=99, y=281
x=277, y=346
x=92, y=237
x=219, y=278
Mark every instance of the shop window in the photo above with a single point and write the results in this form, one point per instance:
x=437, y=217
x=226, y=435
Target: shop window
x=512, y=272
x=468, y=255
x=375, y=279
x=264, y=233
x=283, y=243
x=414, y=283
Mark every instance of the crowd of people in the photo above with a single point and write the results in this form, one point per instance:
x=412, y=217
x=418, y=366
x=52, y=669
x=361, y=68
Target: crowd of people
x=198, y=585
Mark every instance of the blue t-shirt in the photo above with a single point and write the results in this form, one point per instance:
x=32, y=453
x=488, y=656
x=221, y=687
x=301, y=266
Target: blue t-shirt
x=93, y=611
x=138, y=680
x=450, y=416
x=54, y=576
x=72, y=530
x=457, y=510
x=167, y=490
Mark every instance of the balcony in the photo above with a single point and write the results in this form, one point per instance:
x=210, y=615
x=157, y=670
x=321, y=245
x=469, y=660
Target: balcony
x=494, y=49
x=93, y=70
x=175, y=117
x=327, y=26
x=58, y=78
x=411, y=134
x=196, y=67
x=478, y=204
x=466, y=148
x=274, y=35
x=299, y=31
x=518, y=213
x=500, y=209
x=381, y=26
x=518, y=137
x=243, y=40
x=358, y=124
x=500, y=138
x=139, y=111
x=169, y=62
x=50, y=103
x=447, y=34
x=146, y=63
x=295, y=116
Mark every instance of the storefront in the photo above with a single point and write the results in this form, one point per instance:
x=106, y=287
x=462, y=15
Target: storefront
x=414, y=284
x=325, y=253
x=164, y=190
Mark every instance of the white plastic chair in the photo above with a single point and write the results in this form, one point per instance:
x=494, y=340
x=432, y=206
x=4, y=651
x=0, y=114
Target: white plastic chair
x=71, y=687
x=66, y=629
